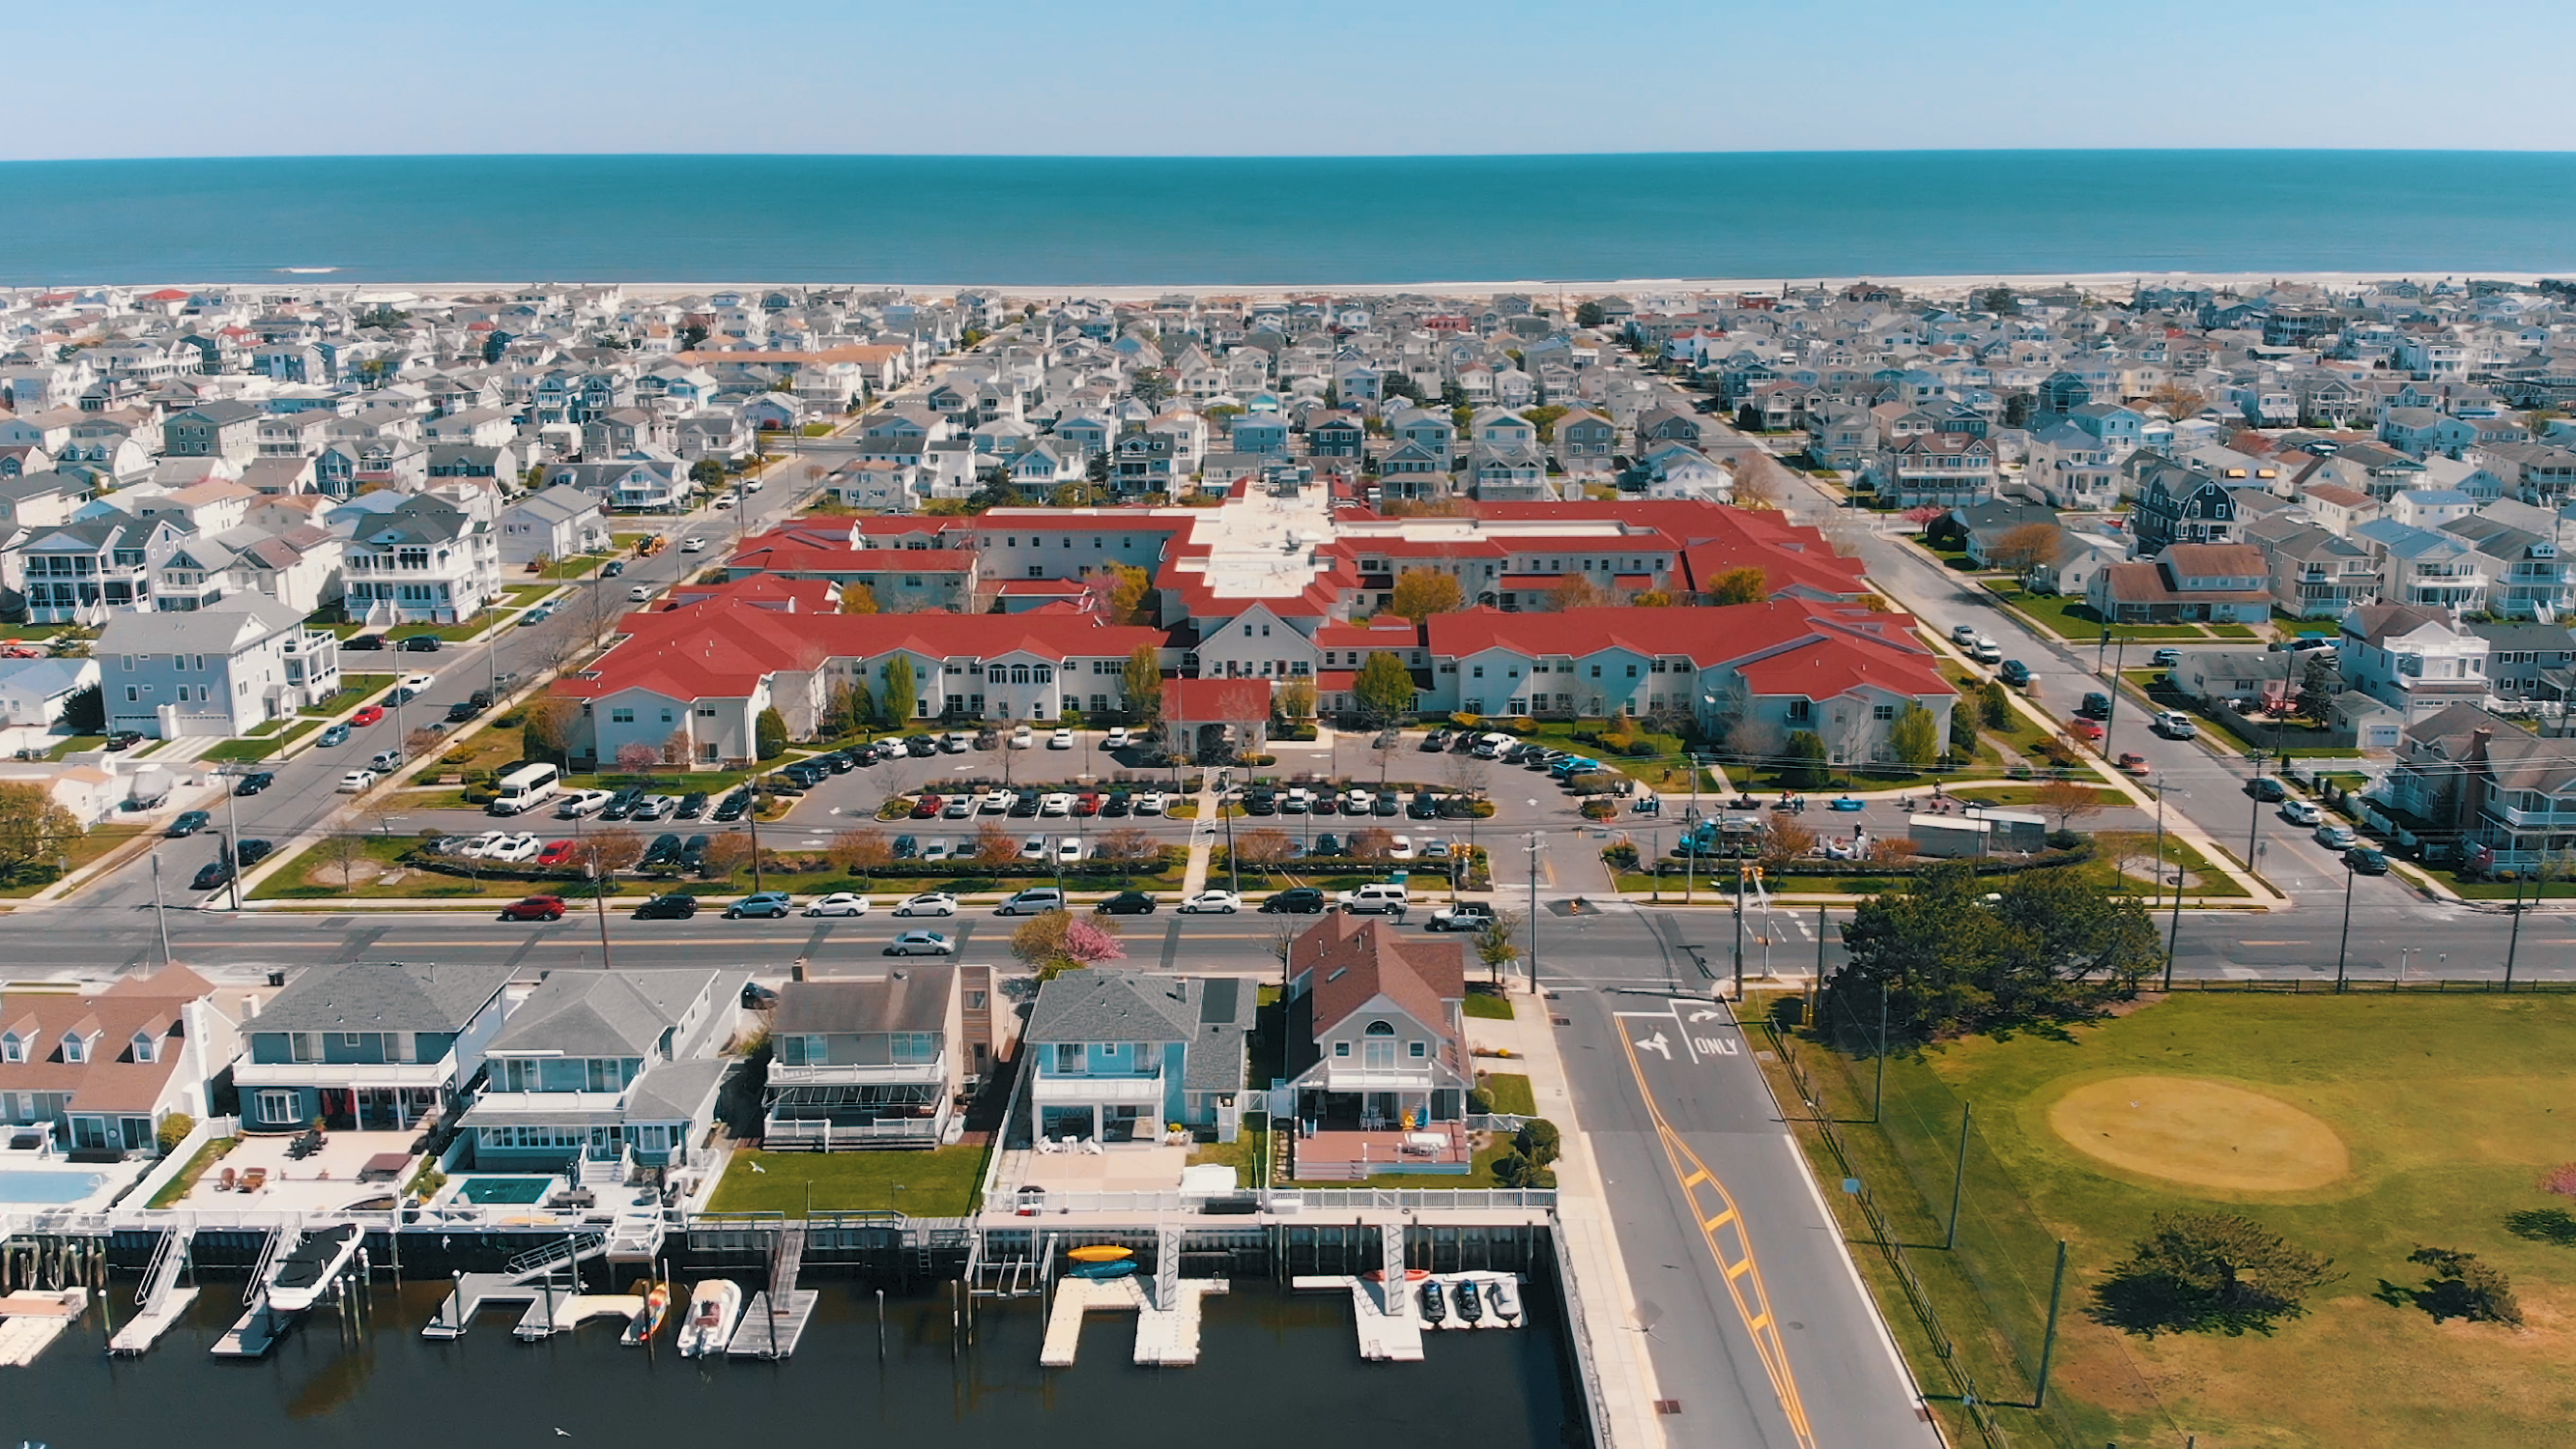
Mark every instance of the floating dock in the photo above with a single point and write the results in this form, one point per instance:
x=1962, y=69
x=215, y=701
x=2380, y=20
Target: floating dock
x=30, y=1322
x=146, y=1327
x=255, y=1334
x=773, y=1335
x=1390, y=1324
x=1164, y=1337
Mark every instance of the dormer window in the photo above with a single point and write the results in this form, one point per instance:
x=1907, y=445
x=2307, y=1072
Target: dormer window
x=145, y=1048
x=75, y=1049
x=11, y=1048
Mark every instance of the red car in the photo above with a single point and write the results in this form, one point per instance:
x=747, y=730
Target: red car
x=558, y=852
x=2088, y=730
x=534, y=908
x=928, y=807
x=368, y=715
x=1087, y=803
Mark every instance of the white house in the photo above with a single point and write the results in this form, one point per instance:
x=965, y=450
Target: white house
x=217, y=671
x=557, y=522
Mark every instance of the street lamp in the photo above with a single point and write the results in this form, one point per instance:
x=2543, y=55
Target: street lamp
x=1532, y=849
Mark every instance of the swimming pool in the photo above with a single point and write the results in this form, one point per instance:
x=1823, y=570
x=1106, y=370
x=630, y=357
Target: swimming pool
x=514, y=1191
x=48, y=1188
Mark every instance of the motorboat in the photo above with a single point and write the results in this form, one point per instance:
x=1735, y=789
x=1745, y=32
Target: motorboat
x=1101, y=1253
x=1504, y=1299
x=1469, y=1303
x=714, y=1305
x=657, y=1306
x=305, y=1274
x=1435, y=1309
x=1119, y=1269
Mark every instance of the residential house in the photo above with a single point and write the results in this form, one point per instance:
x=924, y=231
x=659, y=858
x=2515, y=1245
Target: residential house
x=877, y=1061
x=1585, y=442
x=2425, y=566
x=596, y=1074
x=220, y=429
x=82, y=571
x=556, y=522
x=416, y=558
x=2181, y=504
x=2527, y=660
x=220, y=670
x=2236, y=676
x=2315, y=574
x=2411, y=658
x=2506, y=796
x=1378, y=1070
x=1114, y=1055
x=106, y=1068
x=1942, y=469
x=37, y=691
x=2188, y=582
x=369, y=1045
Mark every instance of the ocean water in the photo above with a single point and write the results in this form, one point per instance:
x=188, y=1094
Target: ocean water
x=1284, y=221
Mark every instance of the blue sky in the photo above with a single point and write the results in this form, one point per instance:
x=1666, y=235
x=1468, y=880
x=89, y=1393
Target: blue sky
x=1224, y=77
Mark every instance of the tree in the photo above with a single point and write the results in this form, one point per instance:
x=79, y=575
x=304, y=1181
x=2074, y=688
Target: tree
x=1544, y=419
x=1127, y=845
x=2018, y=408
x=1994, y=705
x=1059, y=941
x=1963, y=730
x=1757, y=483
x=2209, y=1272
x=345, y=851
x=707, y=472
x=1266, y=846
x=1370, y=843
x=2319, y=681
x=769, y=733
x=858, y=598
x=1747, y=585
x=2069, y=801
x=422, y=741
x=606, y=852
x=1587, y=314
x=546, y=727
x=1807, y=763
x=1421, y=593
x=1784, y=840
x=1577, y=591
x=856, y=852
x=636, y=757
x=2052, y=946
x=727, y=851
x=901, y=692
x=1384, y=687
x=1499, y=944
x=2025, y=549
x=1654, y=599
x=1144, y=682
x=2000, y=301
x=840, y=711
x=85, y=712
x=1130, y=594
x=2463, y=1287
x=1539, y=1141
x=1296, y=700
x=1915, y=736
x=1150, y=385
x=2179, y=402
x=994, y=845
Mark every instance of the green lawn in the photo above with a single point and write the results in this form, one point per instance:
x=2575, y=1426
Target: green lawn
x=243, y=751
x=205, y=1157
x=1512, y=1095
x=1487, y=1003
x=98, y=841
x=2074, y=620
x=453, y=633
x=579, y=566
x=525, y=595
x=2029, y=795
x=2446, y=1108
x=940, y=1183
x=73, y=744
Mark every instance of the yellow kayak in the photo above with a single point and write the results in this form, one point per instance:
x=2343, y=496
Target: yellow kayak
x=1100, y=1253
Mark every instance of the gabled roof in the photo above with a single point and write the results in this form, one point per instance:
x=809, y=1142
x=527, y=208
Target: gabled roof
x=383, y=996
x=911, y=998
x=602, y=1013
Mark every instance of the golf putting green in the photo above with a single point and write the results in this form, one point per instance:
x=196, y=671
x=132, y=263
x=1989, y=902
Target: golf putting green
x=2201, y=1133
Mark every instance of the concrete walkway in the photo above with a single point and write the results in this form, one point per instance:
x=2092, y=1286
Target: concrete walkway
x=1601, y=1288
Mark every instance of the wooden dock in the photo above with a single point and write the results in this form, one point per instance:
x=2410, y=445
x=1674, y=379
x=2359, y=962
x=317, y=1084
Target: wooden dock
x=34, y=1320
x=1164, y=1337
x=767, y=1335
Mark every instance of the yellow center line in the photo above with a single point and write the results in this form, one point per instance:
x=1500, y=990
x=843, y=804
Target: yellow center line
x=1743, y=1278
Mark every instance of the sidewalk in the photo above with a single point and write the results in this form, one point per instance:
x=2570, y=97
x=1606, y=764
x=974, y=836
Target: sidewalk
x=1601, y=1288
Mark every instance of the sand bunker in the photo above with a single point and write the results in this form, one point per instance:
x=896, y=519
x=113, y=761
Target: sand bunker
x=2203, y=1133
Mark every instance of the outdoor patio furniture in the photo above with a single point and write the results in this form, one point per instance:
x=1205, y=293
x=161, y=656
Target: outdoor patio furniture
x=254, y=1180
x=226, y=1181
x=384, y=1167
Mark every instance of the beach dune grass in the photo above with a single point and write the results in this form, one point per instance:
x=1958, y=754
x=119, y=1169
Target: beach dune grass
x=2448, y=1108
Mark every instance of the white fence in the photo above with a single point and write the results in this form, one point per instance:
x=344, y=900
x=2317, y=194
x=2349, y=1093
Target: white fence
x=179, y=1157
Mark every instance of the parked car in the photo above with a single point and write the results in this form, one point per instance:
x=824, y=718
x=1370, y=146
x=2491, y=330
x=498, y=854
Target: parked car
x=2334, y=835
x=928, y=807
x=1295, y=901
x=1383, y=898
x=920, y=943
x=958, y=807
x=337, y=734
x=213, y=875
x=1058, y=803
x=534, y=908
x=385, y=762
x=655, y=807
x=1117, y=806
x=247, y=853
x=2173, y=724
x=2267, y=788
x=2300, y=812
x=1024, y=805
x=769, y=904
x=672, y=906
x=1986, y=651
x=733, y=806
x=423, y=644
x=188, y=823
x=1212, y=903
x=1436, y=741
x=357, y=782
x=367, y=714
x=907, y=847
x=839, y=903
x=1034, y=848
x=2365, y=860
x=1127, y=903
x=2096, y=705
x=1116, y=739
x=559, y=852
x=2014, y=673
x=928, y=903
x=362, y=643
x=1086, y=803
x=574, y=804
x=1149, y=803
x=1023, y=737
x=692, y=805
x=1060, y=740
x=940, y=849
x=663, y=852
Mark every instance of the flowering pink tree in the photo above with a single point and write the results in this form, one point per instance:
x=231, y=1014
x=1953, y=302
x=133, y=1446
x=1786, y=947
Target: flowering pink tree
x=1090, y=942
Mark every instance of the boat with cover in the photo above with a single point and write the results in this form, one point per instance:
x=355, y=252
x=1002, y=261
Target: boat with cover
x=713, y=1307
x=301, y=1277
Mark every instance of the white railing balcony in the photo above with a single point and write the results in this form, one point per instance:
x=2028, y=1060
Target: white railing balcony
x=1134, y=1091
x=931, y=1073
x=345, y=1074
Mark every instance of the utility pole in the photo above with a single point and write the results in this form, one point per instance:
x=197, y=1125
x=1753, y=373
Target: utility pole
x=2048, y=1341
x=1739, y=931
x=2345, y=945
x=2512, y=945
x=232, y=836
x=1959, y=1179
x=1532, y=849
x=162, y=920
x=753, y=815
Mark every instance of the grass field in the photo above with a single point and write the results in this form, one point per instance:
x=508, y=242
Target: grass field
x=940, y=1183
x=2359, y=1127
x=2074, y=620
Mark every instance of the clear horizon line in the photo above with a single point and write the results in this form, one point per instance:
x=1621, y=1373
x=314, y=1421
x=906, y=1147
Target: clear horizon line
x=1359, y=156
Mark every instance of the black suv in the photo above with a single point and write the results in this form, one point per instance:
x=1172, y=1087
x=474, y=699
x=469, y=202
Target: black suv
x=664, y=851
x=692, y=805
x=693, y=856
x=1299, y=901
x=252, y=852
x=732, y=806
x=461, y=711
x=1260, y=802
x=1436, y=741
x=1025, y=804
x=1116, y=807
x=422, y=644
x=1127, y=903
x=623, y=803
x=362, y=642
x=253, y=783
x=1423, y=806
x=676, y=906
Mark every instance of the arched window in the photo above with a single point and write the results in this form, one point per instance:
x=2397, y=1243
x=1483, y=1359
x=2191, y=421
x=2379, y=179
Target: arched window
x=1043, y=674
x=12, y=1049
x=75, y=1051
x=1381, y=1028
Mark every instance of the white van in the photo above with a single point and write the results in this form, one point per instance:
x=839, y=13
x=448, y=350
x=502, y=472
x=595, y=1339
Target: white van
x=524, y=788
x=1035, y=901
x=1382, y=898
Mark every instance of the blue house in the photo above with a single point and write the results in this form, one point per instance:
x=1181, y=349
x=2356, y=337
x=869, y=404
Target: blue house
x=1261, y=433
x=368, y=1045
x=1115, y=1055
